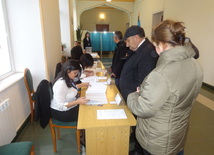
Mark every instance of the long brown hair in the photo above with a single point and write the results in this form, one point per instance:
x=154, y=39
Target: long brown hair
x=169, y=31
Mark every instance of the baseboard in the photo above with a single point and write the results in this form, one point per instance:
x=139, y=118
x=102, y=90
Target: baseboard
x=21, y=128
x=208, y=86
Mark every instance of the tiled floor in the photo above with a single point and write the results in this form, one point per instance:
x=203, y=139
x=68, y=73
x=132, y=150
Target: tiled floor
x=200, y=139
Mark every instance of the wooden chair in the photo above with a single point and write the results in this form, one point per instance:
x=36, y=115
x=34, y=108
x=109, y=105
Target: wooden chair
x=58, y=124
x=18, y=148
x=29, y=85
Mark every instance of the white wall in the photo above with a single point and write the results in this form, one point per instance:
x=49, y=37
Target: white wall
x=64, y=8
x=18, y=101
x=27, y=50
x=35, y=39
x=26, y=38
x=146, y=9
x=198, y=17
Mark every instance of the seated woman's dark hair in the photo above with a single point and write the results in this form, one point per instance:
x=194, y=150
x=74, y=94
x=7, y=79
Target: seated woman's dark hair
x=67, y=67
x=86, y=60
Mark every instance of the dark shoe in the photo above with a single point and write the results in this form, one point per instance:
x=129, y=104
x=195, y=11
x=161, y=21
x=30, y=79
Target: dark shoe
x=133, y=152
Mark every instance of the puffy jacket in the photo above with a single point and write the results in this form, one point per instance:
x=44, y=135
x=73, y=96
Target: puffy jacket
x=164, y=102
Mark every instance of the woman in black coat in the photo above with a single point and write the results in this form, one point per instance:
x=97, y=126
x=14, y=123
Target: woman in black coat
x=87, y=40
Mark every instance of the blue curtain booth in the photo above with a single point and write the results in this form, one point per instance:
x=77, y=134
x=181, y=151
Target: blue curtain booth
x=102, y=41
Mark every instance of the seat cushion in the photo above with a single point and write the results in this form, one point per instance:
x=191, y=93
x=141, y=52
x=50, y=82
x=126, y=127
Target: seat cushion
x=56, y=122
x=18, y=148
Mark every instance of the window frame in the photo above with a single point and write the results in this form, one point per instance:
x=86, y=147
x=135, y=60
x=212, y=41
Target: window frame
x=5, y=16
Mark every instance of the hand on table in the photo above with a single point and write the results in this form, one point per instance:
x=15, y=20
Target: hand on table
x=82, y=100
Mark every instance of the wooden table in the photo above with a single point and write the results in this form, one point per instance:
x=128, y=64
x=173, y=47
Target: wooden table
x=105, y=137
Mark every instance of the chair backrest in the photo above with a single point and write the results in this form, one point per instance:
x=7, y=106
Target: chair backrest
x=28, y=80
x=29, y=86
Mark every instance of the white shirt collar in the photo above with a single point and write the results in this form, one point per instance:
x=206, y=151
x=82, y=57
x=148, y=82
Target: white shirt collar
x=140, y=44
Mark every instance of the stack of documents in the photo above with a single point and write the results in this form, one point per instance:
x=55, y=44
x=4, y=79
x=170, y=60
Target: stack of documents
x=89, y=79
x=96, y=93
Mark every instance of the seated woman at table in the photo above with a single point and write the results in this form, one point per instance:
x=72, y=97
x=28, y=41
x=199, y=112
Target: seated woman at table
x=87, y=61
x=65, y=102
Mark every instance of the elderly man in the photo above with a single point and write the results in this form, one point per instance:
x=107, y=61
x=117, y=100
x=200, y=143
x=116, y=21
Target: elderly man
x=137, y=67
x=140, y=64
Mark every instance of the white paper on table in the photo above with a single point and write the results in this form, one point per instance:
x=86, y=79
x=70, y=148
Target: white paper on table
x=97, y=99
x=93, y=102
x=111, y=114
x=89, y=79
x=98, y=69
x=102, y=77
x=113, y=102
x=103, y=82
x=96, y=88
x=118, y=99
x=93, y=54
x=109, y=80
x=106, y=82
x=82, y=76
x=95, y=91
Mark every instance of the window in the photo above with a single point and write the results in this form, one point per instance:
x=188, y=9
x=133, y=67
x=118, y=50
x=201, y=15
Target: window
x=6, y=67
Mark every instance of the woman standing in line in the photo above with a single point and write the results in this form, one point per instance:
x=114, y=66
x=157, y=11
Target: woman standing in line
x=164, y=100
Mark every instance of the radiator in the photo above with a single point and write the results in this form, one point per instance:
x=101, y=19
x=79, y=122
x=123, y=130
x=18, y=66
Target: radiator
x=7, y=127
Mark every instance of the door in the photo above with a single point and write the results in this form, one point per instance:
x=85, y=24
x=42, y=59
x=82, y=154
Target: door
x=102, y=27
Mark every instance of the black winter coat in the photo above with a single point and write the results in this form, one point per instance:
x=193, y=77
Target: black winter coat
x=43, y=98
x=137, y=67
x=119, y=58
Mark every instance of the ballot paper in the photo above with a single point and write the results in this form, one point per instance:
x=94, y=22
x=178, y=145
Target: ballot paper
x=97, y=86
x=96, y=93
x=98, y=69
x=106, y=82
x=94, y=55
x=97, y=99
x=89, y=79
x=111, y=114
x=102, y=77
x=95, y=102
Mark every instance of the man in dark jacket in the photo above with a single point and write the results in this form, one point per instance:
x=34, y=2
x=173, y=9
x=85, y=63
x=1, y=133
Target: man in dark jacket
x=140, y=64
x=137, y=67
x=119, y=57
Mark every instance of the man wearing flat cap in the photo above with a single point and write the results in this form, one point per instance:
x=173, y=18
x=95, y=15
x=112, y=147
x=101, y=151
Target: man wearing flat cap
x=138, y=66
